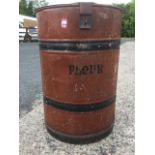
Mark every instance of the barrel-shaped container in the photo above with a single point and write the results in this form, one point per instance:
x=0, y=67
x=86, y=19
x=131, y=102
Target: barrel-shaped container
x=79, y=53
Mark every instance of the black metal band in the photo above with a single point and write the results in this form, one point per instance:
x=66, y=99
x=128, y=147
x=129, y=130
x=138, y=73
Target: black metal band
x=80, y=108
x=85, y=139
x=80, y=46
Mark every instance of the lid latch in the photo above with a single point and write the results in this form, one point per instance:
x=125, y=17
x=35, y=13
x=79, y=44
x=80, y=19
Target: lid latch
x=85, y=16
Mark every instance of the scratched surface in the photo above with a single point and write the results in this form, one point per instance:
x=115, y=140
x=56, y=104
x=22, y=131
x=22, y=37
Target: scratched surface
x=34, y=139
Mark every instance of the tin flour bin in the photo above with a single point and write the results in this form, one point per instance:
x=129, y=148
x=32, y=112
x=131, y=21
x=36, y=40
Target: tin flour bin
x=79, y=52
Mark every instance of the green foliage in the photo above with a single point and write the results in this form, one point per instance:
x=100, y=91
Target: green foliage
x=23, y=7
x=30, y=9
x=128, y=19
x=40, y=3
x=27, y=7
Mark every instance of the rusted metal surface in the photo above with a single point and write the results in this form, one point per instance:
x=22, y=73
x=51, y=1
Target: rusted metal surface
x=79, y=124
x=79, y=69
x=65, y=79
x=106, y=24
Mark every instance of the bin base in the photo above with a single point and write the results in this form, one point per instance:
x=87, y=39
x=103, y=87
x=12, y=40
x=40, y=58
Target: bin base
x=79, y=139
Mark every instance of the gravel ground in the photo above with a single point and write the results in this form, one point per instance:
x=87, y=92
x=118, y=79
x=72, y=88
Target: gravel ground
x=34, y=140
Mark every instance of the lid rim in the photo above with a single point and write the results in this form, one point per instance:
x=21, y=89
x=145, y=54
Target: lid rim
x=74, y=5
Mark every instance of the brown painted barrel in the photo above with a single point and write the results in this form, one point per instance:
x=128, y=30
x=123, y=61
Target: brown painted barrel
x=79, y=51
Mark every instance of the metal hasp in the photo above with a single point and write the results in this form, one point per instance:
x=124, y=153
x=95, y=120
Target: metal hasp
x=85, y=16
